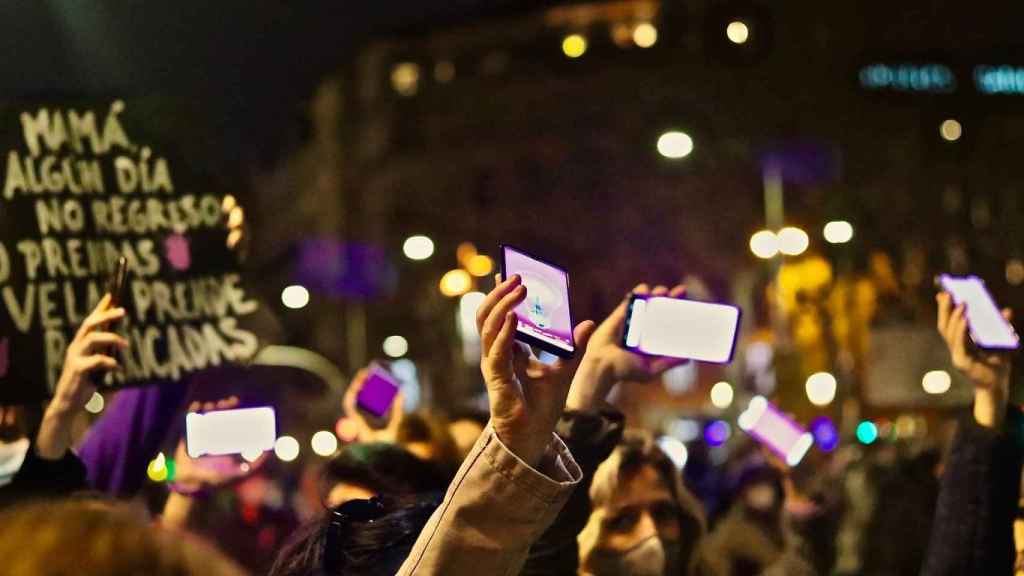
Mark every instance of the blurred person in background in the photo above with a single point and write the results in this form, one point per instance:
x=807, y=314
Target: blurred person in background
x=100, y=539
x=979, y=499
x=428, y=437
x=466, y=427
x=754, y=537
x=361, y=471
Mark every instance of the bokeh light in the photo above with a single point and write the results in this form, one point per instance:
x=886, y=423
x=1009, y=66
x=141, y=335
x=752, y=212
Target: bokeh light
x=867, y=432
x=675, y=450
x=675, y=145
x=480, y=265
x=157, y=468
x=456, y=282
x=721, y=395
x=645, y=35
x=951, y=130
x=395, y=346
x=937, y=382
x=405, y=78
x=347, y=429
x=821, y=388
x=295, y=297
x=95, y=403
x=286, y=448
x=825, y=433
x=1015, y=272
x=838, y=232
x=764, y=244
x=717, y=432
x=574, y=45
x=418, y=247
x=737, y=32
x=324, y=443
x=793, y=241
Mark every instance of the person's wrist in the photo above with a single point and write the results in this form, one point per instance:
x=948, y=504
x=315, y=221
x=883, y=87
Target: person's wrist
x=990, y=402
x=527, y=448
x=591, y=385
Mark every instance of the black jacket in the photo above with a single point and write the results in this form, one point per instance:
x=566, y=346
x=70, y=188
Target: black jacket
x=973, y=529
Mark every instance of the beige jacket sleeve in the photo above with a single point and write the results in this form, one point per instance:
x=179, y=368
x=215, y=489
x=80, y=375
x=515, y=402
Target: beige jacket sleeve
x=495, y=508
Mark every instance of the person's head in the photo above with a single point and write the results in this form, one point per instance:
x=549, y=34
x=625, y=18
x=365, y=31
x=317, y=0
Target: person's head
x=465, y=428
x=644, y=522
x=427, y=437
x=359, y=538
x=760, y=493
x=100, y=539
x=365, y=470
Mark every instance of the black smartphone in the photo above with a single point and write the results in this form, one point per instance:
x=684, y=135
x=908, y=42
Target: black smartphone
x=117, y=285
x=545, y=317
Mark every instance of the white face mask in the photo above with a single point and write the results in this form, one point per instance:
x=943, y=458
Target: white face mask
x=12, y=455
x=651, y=557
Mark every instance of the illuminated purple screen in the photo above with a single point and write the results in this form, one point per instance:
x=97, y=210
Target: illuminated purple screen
x=545, y=312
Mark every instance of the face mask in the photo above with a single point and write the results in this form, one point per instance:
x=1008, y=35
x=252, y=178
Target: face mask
x=11, y=457
x=651, y=557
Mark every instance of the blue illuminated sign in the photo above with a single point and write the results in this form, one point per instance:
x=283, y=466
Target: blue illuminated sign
x=999, y=79
x=928, y=78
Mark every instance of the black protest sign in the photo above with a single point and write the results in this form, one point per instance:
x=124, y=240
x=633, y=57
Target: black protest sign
x=81, y=186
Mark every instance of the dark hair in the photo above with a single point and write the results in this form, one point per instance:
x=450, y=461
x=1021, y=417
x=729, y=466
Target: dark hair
x=377, y=547
x=382, y=469
x=432, y=430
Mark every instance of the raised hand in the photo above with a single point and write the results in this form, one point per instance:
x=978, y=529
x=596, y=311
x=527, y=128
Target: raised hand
x=989, y=372
x=526, y=396
x=607, y=362
x=87, y=357
x=366, y=432
x=210, y=472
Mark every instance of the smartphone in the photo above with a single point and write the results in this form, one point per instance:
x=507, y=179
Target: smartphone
x=116, y=286
x=775, y=430
x=378, y=392
x=663, y=326
x=988, y=329
x=239, y=431
x=545, y=317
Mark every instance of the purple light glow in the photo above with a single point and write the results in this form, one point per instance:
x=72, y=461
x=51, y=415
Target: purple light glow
x=717, y=432
x=825, y=433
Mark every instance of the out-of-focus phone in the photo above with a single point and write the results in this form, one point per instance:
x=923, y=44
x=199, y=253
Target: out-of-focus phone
x=378, y=391
x=239, y=431
x=663, y=326
x=775, y=430
x=116, y=286
x=545, y=318
x=988, y=329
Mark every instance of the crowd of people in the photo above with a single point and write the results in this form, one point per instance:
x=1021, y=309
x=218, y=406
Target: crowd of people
x=551, y=480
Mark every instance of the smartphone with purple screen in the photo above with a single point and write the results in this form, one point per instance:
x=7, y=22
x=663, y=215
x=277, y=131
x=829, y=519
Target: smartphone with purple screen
x=775, y=430
x=663, y=326
x=378, y=392
x=989, y=330
x=545, y=318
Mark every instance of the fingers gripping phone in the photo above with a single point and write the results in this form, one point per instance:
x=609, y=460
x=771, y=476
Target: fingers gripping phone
x=222, y=432
x=987, y=327
x=545, y=318
x=378, y=392
x=776, y=430
x=677, y=328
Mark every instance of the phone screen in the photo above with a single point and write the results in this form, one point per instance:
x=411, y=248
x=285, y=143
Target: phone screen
x=244, y=430
x=776, y=430
x=378, y=392
x=544, y=317
x=663, y=326
x=986, y=323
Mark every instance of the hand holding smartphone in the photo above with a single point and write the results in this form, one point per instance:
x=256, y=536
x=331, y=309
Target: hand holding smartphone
x=545, y=318
x=775, y=430
x=117, y=286
x=378, y=391
x=987, y=327
x=679, y=328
